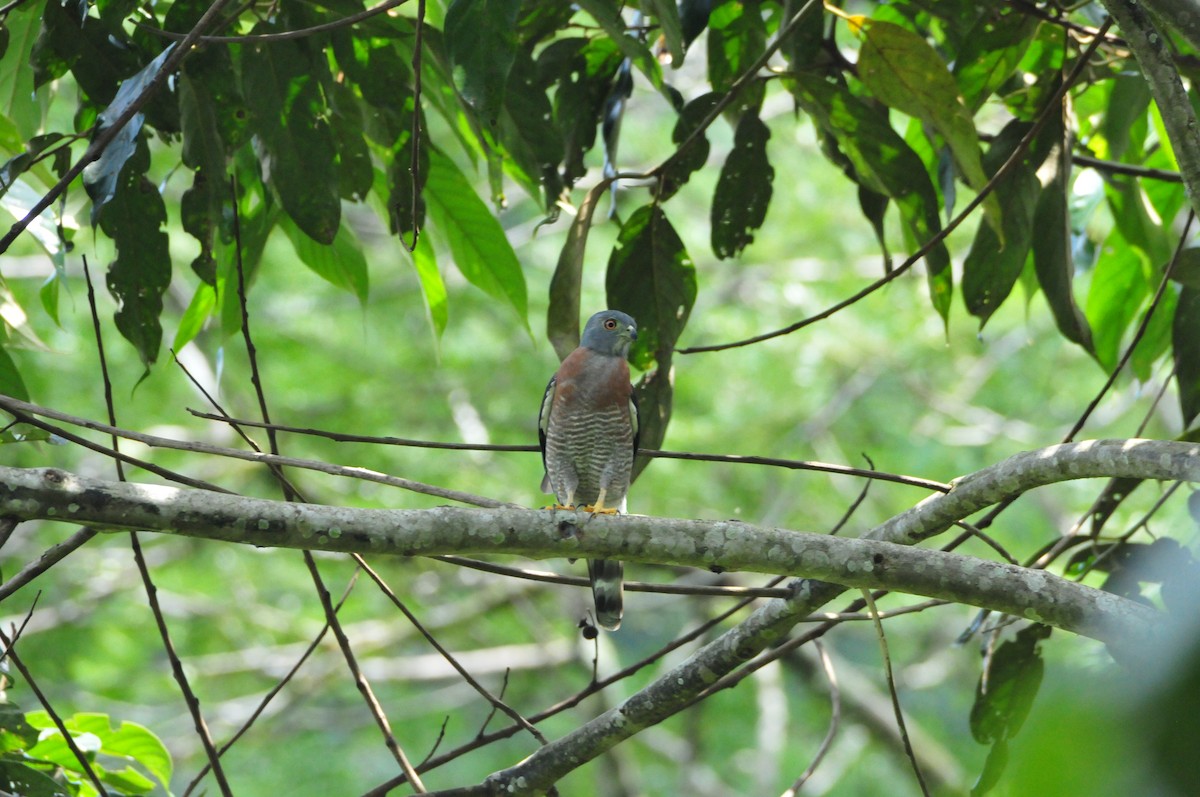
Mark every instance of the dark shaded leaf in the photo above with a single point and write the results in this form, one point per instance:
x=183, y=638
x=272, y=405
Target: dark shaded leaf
x=1186, y=271
x=204, y=152
x=1052, y=255
x=874, y=207
x=737, y=37
x=1186, y=352
x=655, y=393
x=100, y=176
x=992, y=266
x=881, y=161
x=608, y=15
x=1004, y=697
x=562, y=317
x=684, y=162
x=903, y=71
x=480, y=248
x=16, y=165
x=530, y=133
x=27, y=782
x=585, y=71
x=1130, y=213
x=743, y=189
x=651, y=277
x=355, y=171
x=406, y=201
x=85, y=47
x=991, y=51
x=134, y=220
x=1124, y=113
x=693, y=18
x=481, y=42
x=540, y=20
x=289, y=116
x=805, y=47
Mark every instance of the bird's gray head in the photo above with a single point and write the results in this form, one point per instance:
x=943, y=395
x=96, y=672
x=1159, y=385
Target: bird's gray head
x=610, y=332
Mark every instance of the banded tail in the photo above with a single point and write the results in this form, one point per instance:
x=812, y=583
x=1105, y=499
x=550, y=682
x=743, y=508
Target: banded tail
x=606, y=576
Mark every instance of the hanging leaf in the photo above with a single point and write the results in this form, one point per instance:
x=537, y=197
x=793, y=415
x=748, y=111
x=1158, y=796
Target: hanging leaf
x=480, y=248
x=737, y=37
x=991, y=52
x=530, y=133
x=1118, y=288
x=289, y=115
x=904, y=72
x=432, y=287
x=562, y=317
x=101, y=175
x=608, y=15
x=651, y=277
x=11, y=383
x=17, y=102
x=482, y=43
x=586, y=70
x=743, y=189
x=666, y=14
x=682, y=163
x=341, y=263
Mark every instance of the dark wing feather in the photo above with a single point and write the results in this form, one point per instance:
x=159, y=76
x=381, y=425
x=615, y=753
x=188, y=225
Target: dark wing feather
x=543, y=424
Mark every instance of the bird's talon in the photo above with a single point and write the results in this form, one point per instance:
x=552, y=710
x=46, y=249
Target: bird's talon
x=601, y=510
x=557, y=507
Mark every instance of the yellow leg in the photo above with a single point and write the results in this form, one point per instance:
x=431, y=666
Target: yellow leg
x=569, y=505
x=599, y=508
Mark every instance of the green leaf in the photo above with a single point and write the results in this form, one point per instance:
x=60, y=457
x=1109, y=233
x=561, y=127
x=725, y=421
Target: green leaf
x=480, y=248
x=1052, y=257
x=15, y=731
x=992, y=266
x=666, y=14
x=355, y=171
x=1125, y=113
x=737, y=37
x=743, y=189
x=101, y=175
x=432, y=287
x=1185, y=341
x=992, y=50
x=530, y=134
x=1005, y=694
x=586, y=70
x=341, y=263
x=1118, y=288
x=993, y=768
x=608, y=15
x=289, y=116
x=198, y=311
x=651, y=277
x=11, y=383
x=682, y=163
x=204, y=152
x=27, y=782
x=134, y=219
x=903, y=71
x=482, y=43
x=17, y=102
x=881, y=161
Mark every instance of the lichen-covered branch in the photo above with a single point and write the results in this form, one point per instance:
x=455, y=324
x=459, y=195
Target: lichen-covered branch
x=828, y=564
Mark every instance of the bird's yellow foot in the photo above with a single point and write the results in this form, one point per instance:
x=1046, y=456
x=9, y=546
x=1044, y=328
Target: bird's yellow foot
x=601, y=510
x=556, y=507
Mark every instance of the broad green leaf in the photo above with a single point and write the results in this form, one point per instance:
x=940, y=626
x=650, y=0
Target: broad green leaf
x=482, y=43
x=204, y=152
x=1003, y=698
x=129, y=740
x=1136, y=220
x=874, y=208
x=693, y=18
x=1118, y=288
x=737, y=37
x=682, y=163
x=651, y=277
x=15, y=166
x=480, y=248
x=1185, y=341
x=432, y=287
x=355, y=171
x=82, y=44
x=992, y=50
x=655, y=393
x=1187, y=267
x=1124, y=126
x=1052, y=257
x=993, y=768
x=134, y=219
x=17, y=102
x=904, y=72
x=608, y=15
x=100, y=177
x=805, y=46
x=882, y=162
x=992, y=266
x=11, y=383
x=665, y=13
x=341, y=263
x=1156, y=339
x=289, y=115
x=15, y=731
x=743, y=190
x=562, y=317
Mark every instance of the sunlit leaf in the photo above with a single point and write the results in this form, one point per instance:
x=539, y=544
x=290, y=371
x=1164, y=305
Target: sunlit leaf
x=1118, y=288
x=737, y=37
x=480, y=248
x=204, y=300
x=432, y=287
x=21, y=27
x=341, y=263
x=992, y=50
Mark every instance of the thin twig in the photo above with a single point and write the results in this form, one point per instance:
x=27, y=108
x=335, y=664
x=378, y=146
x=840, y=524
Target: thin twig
x=891, y=682
x=414, y=163
x=50, y=557
x=835, y=718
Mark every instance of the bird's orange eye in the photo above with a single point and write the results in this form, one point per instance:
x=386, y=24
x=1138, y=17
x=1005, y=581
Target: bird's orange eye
x=610, y=324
